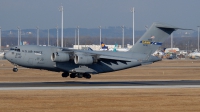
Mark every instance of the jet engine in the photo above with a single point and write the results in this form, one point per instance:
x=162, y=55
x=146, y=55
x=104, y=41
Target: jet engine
x=83, y=60
x=60, y=57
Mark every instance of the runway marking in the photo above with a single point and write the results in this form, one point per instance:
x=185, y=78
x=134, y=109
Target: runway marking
x=99, y=87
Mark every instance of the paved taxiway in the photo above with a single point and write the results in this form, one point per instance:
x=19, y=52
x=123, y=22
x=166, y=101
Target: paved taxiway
x=100, y=85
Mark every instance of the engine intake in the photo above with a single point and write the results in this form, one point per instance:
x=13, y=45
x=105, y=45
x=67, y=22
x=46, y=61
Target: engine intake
x=83, y=60
x=60, y=57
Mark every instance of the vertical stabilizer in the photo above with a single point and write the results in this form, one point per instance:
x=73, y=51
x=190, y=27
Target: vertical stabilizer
x=153, y=38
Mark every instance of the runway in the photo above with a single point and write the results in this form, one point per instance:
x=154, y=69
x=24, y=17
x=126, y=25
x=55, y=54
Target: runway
x=100, y=85
x=167, y=67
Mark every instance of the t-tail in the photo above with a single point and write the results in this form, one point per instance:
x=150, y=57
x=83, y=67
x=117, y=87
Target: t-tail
x=153, y=38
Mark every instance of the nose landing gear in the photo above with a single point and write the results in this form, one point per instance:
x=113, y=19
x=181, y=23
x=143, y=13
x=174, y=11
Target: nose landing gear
x=15, y=69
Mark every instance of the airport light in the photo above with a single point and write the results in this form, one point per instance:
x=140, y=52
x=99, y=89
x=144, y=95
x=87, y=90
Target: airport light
x=146, y=27
x=100, y=35
x=171, y=40
x=57, y=34
x=0, y=38
x=78, y=35
x=198, y=38
x=61, y=10
x=18, y=35
x=75, y=38
x=122, y=36
x=186, y=47
x=48, y=37
x=133, y=11
x=37, y=28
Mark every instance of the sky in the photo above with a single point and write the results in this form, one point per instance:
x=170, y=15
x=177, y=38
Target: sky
x=27, y=14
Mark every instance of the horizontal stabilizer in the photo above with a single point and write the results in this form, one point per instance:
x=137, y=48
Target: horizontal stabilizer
x=161, y=25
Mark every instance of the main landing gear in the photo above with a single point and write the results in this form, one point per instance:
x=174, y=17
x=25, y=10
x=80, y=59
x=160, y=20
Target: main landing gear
x=65, y=74
x=79, y=75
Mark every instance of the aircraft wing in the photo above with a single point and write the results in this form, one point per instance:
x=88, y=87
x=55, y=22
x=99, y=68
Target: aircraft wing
x=99, y=55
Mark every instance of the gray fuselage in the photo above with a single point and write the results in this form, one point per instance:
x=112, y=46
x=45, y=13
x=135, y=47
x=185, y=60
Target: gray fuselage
x=39, y=57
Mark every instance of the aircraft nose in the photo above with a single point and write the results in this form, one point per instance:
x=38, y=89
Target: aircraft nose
x=4, y=55
x=7, y=55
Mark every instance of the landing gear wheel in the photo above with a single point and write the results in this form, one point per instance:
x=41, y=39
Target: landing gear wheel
x=65, y=74
x=79, y=75
x=15, y=69
x=72, y=75
x=87, y=76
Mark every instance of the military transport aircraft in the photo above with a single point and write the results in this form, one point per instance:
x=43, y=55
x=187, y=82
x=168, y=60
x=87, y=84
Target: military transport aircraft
x=82, y=63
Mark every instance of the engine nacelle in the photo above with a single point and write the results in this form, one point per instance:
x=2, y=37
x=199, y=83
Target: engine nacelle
x=60, y=57
x=83, y=60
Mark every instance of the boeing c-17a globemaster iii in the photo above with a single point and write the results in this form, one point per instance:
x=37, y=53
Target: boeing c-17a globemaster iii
x=82, y=63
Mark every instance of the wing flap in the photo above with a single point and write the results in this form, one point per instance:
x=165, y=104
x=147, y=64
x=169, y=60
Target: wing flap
x=117, y=58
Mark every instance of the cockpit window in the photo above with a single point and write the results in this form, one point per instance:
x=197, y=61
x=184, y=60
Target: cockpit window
x=12, y=49
x=18, y=50
x=15, y=49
